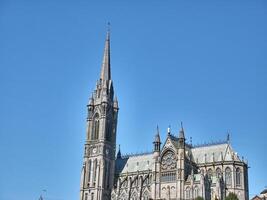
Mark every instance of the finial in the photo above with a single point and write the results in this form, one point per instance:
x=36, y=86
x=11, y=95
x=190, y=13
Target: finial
x=157, y=137
x=119, y=152
x=228, y=136
x=181, y=133
x=169, y=130
x=108, y=30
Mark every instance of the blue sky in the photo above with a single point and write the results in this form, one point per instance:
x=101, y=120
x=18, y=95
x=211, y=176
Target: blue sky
x=200, y=62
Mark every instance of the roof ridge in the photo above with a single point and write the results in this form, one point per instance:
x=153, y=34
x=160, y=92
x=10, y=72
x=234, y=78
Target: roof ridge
x=127, y=155
x=212, y=143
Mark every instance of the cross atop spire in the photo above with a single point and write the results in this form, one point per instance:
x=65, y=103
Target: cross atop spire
x=105, y=70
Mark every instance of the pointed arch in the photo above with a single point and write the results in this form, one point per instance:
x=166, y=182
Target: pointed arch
x=238, y=176
x=218, y=172
x=94, y=170
x=228, y=176
x=187, y=193
x=95, y=130
x=89, y=169
x=196, y=192
x=210, y=172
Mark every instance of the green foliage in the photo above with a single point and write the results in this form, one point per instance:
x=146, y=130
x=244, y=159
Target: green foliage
x=199, y=198
x=231, y=196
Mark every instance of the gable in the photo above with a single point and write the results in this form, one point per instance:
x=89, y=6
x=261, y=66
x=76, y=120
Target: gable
x=170, y=144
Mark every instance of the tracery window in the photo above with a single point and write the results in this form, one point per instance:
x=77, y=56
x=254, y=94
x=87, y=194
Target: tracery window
x=135, y=183
x=168, y=161
x=168, y=165
x=209, y=172
x=89, y=168
x=94, y=170
x=218, y=172
x=238, y=177
x=168, y=176
x=95, y=132
x=187, y=193
x=196, y=192
x=228, y=176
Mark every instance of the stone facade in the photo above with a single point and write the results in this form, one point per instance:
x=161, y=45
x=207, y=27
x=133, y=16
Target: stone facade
x=174, y=170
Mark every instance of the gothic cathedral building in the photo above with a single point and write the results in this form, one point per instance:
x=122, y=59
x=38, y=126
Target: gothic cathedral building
x=174, y=169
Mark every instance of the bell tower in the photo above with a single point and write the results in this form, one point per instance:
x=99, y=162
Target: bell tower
x=100, y=145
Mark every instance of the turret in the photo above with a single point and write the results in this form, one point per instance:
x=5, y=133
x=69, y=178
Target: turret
x=181, y=137
x=119, y=153
x=157, y=144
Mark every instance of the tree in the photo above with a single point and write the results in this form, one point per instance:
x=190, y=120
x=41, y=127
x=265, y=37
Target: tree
x=231, y=196
x=199, y=198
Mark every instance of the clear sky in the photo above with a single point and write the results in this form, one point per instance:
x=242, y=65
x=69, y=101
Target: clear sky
x=200, y=62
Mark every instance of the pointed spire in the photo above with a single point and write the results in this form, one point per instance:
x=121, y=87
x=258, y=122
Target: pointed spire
x=115, y=103
x=119, y=152
x=91, y=100
x=181, y=133
x=228, y=137
x=105, y=70
x=157, y=137
x=157, y=143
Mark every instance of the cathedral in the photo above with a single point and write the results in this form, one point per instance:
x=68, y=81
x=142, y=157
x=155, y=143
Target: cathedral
x=174, y=169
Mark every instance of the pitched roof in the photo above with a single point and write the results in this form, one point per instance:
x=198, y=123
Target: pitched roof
x=135, y=163
x=216, y=152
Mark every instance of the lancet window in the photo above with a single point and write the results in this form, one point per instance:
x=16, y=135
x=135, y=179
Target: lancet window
x=228, y=176
x=238, y=177
x=95, y=129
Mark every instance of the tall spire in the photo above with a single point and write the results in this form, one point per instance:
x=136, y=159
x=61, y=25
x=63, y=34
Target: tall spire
x=181, y=133
x=105, y=70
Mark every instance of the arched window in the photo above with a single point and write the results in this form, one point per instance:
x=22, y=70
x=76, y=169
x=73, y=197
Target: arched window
x=238, y=177
x=86, y=196
x=89, y=169
x=94, y=170
x=209, y=172
x=187, y=193
x=218, y=172
x=196, y=192
x=108, y=130
x=95, y=129
x=228, y=176
x=168, y=166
